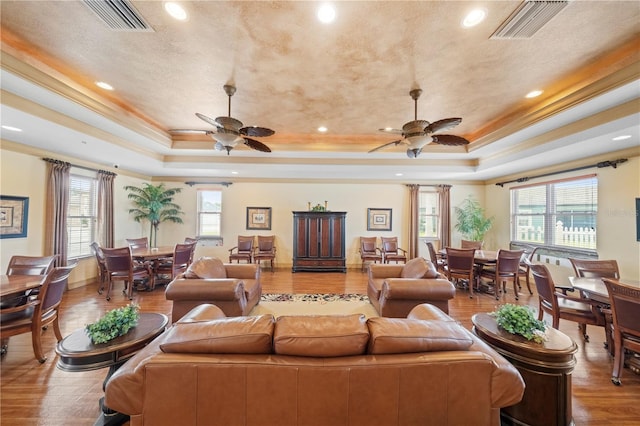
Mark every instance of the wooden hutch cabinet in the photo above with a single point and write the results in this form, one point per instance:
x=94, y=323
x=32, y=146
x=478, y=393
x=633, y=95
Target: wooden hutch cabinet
x=318, y=241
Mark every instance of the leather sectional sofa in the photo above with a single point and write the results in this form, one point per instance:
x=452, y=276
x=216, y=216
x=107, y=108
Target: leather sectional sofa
x=396, y=289
x=315, y=370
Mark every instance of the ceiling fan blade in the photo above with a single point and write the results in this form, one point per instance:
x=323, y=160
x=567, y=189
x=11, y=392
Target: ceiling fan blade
x=449, y=140
x=390, y=130
x=255, y=131
x=190, y=132
x=209, y=120
x=394, y=143
x=444, y=124
x=258, y=146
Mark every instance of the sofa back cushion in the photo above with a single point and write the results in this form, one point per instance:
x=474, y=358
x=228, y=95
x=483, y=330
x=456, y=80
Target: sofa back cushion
x=233, y=335
x=321, y=335
x=206, y=267
x=419, y=268
x=401, y=335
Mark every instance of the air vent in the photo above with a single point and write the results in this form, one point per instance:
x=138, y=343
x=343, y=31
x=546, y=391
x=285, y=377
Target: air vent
x=118, y=15
x=528, y=18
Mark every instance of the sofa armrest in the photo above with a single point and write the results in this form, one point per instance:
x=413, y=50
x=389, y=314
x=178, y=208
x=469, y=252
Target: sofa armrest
x=243, y=270
x=205, y=289
x=420, y=288
x=377, y=272
x=202, y=313
x=427, y=311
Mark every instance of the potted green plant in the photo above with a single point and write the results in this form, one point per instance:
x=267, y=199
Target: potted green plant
x=520, y=320
x=114, y=323
x=155, y=204
x=471, y=220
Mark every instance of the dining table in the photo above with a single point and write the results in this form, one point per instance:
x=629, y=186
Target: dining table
x=152, y=253
x=11, y=285
x=479, y=256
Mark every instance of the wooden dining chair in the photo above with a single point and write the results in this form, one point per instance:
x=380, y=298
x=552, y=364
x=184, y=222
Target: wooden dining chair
x=467, y=244
x=369, y=251
x=505, y=269
x=138, y=243
x=524, y=271
x=37, y=313
x=176, y=265
x=265, y=250
x=194, y=241
x=625, y=311
x=561, y=306
x=391, y=252
x=588, y=268
x=27, y=265
x=121, y=267
x=243, y=250
x=102, y=265
x=460, y=267
x=437, y=260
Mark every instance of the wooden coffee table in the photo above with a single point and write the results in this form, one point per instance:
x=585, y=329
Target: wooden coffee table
x=545, y=367
x=77, y=353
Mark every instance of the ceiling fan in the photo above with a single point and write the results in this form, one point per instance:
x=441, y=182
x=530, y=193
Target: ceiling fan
x=229, y=132
x=418, y=133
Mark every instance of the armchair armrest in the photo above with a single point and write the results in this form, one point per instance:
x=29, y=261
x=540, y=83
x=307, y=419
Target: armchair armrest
x=421, y=289
x=205, y=289
x=377, y=271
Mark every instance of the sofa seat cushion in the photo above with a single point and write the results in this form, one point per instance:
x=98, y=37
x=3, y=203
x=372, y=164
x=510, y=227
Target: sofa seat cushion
x=419, y=268
x=236, y=335
x=400, y=335
x=321, y=335
x=206, y=267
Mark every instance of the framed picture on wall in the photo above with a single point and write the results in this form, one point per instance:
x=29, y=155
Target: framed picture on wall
x=259, y=218
x=378, y=219
x=14, y=214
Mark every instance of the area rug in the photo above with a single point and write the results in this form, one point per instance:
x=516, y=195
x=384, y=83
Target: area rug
x=314, y=304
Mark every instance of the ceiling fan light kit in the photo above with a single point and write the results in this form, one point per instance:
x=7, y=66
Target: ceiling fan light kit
x=418, y=133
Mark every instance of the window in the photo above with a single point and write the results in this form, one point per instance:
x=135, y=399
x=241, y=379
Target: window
x=428, y=219
x=209, y=213
x=560, y=213
x=81, y=215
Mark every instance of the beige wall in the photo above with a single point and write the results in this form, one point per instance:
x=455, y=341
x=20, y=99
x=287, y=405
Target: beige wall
x=618, y=189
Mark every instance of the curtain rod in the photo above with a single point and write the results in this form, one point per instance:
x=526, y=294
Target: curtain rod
x=191, y=183
x=52, y=160
x=431, y=186
x=599, y=165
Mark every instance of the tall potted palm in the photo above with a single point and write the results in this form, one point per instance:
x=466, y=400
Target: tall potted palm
x=155, y=204
x=472, y=222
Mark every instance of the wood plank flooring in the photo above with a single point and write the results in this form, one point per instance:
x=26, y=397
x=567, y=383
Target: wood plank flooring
x=41, y=394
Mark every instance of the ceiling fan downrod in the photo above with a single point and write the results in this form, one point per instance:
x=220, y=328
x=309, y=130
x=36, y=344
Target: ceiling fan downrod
x=415, y=94
x=229, y=90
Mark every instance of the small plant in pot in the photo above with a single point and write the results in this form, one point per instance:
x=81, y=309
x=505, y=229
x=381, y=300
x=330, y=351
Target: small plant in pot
x=471, y=220
x=520, y=320
x=114, y=323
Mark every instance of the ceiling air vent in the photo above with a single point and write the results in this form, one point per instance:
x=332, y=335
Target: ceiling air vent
x=528, y=18
x=119, y=15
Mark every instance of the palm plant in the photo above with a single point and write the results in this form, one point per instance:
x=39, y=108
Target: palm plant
x=472, y=223
x=155, y=204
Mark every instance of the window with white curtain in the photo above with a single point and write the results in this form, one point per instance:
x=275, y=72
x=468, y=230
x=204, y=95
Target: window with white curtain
x=209, y=213
x=560, y=213
x=428, y=210
x=82, y=213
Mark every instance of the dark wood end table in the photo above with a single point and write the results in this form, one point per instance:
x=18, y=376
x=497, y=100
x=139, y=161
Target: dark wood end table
x=545, y=367
x=77, y=353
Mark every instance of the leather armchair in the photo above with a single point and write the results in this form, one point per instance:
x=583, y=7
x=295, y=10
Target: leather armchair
x=394, y=292
x=236, y=293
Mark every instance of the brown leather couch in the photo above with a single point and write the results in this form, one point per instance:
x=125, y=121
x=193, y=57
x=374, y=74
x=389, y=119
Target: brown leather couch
x=315, y=370
x=234, y=288
x=396, y=289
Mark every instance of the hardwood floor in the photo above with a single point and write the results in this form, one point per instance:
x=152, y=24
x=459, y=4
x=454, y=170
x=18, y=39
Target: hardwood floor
x=41, y=394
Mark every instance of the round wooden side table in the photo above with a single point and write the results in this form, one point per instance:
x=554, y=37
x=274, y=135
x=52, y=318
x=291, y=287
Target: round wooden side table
x=77, y=353
x=545, y=367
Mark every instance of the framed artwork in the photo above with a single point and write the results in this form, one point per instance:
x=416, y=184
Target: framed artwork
x=14, y=214
x=259, y=218
x=378, y=219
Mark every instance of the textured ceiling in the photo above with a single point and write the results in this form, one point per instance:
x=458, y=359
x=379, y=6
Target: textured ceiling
x=294, y=74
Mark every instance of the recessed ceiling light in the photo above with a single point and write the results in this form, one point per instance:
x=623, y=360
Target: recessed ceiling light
x=103, y=85
x=621, y=137
x=399, y=174
x=388, y=128
x=326, y=13
x=534, y=94
x=234, y=172
x=175, y=10
x=13, y=129
x=474, y=17
x=322, y=129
